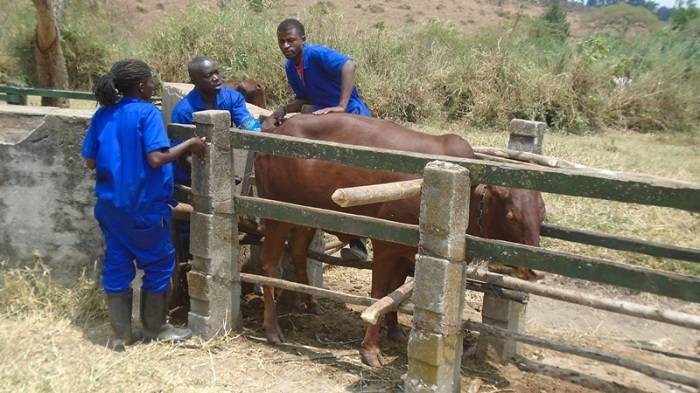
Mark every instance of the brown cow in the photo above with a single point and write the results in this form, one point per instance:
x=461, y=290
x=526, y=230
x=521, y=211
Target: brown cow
x=496, y=212
x=254, y=92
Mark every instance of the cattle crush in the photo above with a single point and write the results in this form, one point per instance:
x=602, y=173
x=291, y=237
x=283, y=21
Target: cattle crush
x=435, y=342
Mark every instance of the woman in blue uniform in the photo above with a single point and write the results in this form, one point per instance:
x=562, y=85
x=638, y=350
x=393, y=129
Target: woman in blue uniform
x=128, y=147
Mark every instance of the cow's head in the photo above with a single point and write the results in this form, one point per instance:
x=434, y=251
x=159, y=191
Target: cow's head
x=509, y=214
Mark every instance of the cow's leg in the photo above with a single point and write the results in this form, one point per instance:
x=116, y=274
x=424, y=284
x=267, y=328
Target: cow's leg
x=394, y=330
x=384, y=267
x=270, y=254
x=299, y=248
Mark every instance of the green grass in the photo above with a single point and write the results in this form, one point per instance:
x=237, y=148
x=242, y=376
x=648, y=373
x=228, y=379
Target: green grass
x=521, y=69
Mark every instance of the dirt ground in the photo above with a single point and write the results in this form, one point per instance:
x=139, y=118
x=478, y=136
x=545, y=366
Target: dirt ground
x=340, y=330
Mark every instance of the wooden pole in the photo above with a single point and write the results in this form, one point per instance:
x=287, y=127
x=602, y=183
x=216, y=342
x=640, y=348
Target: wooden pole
x=527, y=157
x=319, y=292
x=334, y=245
x=621, y=307
x=626, y=363
x=388, y=303
x=376, y=193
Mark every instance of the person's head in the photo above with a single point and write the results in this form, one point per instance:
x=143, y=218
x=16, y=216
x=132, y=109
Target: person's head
x=204, y=75
x=291, y=38
x=126, y=78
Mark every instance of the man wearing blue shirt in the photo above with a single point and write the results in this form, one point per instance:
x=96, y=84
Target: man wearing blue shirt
x=324, y=78
x=208, y=94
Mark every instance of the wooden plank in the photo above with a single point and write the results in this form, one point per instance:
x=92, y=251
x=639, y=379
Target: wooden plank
x=577, y=297
x=388, y=303
x=621, y=243
x=325, y=219
x=376, y=193
x=331, y=260
x=598, y=270
x=606, y=358
x=318, y=292
x=76, y=95
x=9, y=98
x=181, y=132
x=606, y=185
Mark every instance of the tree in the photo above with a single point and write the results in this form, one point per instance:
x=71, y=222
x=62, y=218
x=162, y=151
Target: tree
x=50, y=62
x=556, y=17
x=682, y=16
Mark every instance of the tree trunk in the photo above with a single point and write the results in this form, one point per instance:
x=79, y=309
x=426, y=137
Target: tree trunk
x=50, y=63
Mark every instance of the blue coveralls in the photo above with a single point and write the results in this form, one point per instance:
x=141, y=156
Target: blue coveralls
x=227, y=100
x=132, y=197
x=322, y=68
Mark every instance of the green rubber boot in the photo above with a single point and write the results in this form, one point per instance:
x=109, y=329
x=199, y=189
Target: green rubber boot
x=153, y=311
x=119, y=306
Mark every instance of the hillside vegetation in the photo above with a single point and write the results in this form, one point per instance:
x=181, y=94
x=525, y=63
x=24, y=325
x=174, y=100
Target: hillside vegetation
x=527, y=67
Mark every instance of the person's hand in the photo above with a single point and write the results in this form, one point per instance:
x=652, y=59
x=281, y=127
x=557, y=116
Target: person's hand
x=199, y=148
x=271, y=122
x=333, y=109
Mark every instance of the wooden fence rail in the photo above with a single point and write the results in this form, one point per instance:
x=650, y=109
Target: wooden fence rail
x=14, y=94
x=626, y=363
x=605, y=185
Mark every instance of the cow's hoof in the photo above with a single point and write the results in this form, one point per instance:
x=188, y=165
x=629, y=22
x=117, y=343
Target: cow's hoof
x=315, y=309
x=397, y=335
x=373, y=359
x=275, y=338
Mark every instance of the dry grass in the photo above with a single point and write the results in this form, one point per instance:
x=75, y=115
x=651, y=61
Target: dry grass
x=53, y=349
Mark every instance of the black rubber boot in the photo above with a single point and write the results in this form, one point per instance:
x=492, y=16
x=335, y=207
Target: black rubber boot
x=119, y=306
x=153, y=311
x=356, y=252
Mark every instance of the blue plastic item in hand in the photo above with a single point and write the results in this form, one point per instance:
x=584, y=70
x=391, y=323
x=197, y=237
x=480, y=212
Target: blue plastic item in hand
x=250, y=124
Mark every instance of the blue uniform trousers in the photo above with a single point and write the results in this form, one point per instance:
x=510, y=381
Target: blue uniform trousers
x=143, y=237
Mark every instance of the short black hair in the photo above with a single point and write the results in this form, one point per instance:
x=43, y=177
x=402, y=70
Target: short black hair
x=197, y=63
x=290, y=24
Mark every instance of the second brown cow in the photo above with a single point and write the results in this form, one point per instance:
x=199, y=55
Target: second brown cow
x=513, y=215
x=253, y=91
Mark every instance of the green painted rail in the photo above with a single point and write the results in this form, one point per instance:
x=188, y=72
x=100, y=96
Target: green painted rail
x=607, y=186
x=571, y=265
x=12, y=94
x=621, y=243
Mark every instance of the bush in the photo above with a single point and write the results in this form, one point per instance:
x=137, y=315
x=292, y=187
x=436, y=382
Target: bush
x=526, y=68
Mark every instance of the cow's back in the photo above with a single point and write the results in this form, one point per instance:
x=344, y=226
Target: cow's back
x=312, y=182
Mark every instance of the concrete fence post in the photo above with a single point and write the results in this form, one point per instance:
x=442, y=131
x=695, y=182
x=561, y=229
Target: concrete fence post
x=214, y=281
x=435, y=342
x=527, y=136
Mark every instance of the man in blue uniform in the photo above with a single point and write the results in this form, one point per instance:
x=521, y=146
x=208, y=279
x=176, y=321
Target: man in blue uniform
x=323, y=78
x=208, y=94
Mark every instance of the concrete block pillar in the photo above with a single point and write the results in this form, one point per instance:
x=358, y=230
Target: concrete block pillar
x=435, y=342
x=214, y=281
x=526, y=135
x=506, y=314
